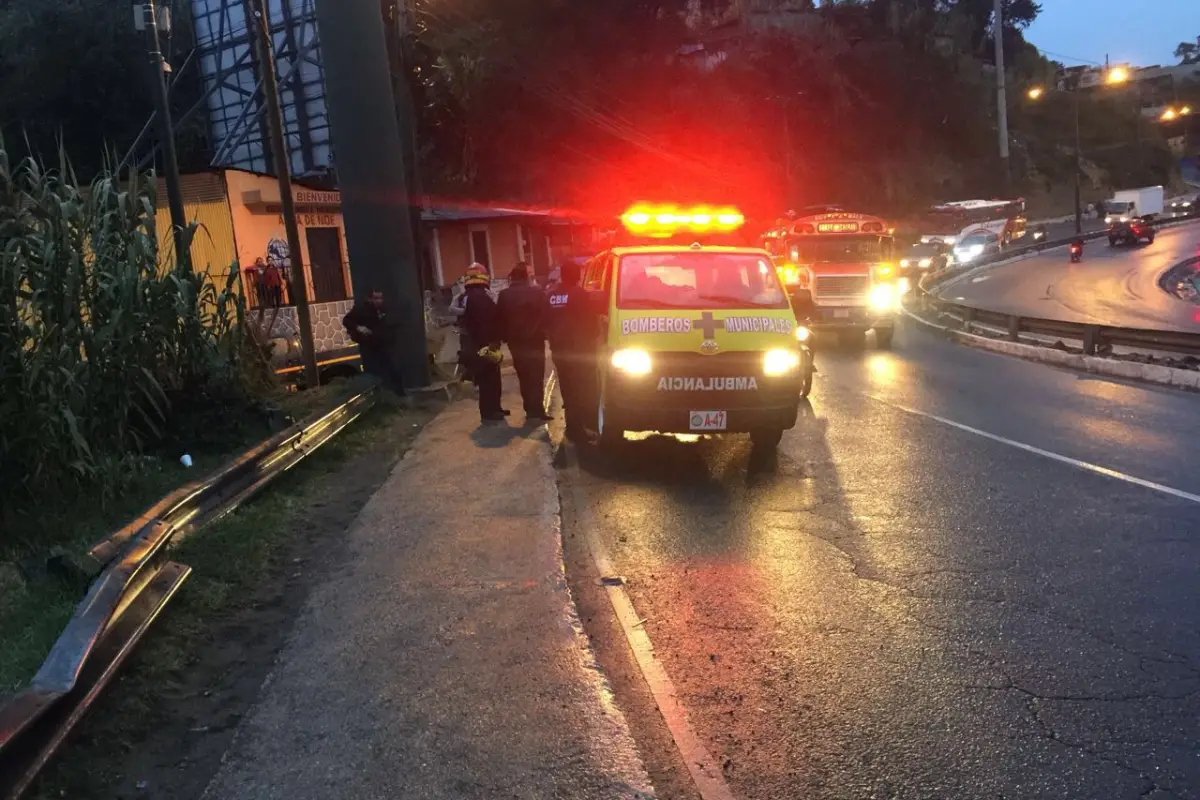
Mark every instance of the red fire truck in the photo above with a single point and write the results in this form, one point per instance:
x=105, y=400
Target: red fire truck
x=841, y=270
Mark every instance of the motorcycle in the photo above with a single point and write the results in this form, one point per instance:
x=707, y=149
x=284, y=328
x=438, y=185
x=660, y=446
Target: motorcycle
x=1076, y=250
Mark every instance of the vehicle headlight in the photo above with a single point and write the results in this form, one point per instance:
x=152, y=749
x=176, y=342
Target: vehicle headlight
x=1187, y=205
x=802, y=333
x=632, y=361
x=1124, y=219
x=904, y=262
x=883, y=297
x=780, y=362
x=925, y=263
x=949, y=239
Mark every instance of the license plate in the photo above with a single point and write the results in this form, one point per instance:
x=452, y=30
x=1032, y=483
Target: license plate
x=841, y=313
x=708, y=420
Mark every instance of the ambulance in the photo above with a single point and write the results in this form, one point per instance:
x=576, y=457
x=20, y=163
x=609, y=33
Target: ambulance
x=840, y=270
x=699, y=335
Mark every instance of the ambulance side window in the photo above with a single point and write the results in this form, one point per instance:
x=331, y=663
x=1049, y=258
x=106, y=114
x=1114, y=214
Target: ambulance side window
x=594, y=279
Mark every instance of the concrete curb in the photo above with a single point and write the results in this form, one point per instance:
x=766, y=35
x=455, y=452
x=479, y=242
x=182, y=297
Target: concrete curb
x=1093, y=365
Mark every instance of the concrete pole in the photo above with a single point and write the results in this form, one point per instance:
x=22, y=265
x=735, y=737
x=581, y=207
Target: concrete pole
x=370, y=159
x=1001, y=97
x=283, y=172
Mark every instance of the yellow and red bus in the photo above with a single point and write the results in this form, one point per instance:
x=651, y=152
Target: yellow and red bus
x=841, y=268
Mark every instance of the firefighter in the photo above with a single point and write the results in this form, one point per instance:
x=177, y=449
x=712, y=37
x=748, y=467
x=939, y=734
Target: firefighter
x=481, y=324
x=573, y=328
x=522, y=310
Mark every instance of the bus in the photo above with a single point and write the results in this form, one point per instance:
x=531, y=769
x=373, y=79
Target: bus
x=840, y=268
x=949, y=223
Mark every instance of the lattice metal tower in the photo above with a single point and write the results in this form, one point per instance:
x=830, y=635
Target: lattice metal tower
x=234, y=88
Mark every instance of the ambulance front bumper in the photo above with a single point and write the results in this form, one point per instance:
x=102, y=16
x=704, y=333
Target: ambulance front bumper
x=669, y=400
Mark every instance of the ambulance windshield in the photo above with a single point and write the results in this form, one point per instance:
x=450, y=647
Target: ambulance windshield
x=698, y=280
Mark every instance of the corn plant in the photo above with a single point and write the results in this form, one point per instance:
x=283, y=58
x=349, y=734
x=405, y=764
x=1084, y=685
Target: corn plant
x=101, y=344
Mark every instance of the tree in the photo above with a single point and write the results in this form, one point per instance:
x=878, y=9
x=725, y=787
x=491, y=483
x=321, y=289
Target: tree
x=1188, y=52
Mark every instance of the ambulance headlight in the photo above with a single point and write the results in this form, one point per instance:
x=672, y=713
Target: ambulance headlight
x=780, y=362
x=883, y=297
x=632, y=361
x=802, y=333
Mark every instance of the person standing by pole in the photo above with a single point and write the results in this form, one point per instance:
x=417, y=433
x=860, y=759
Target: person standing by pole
x=572, y=325
x=368, y=326
x=522, y=315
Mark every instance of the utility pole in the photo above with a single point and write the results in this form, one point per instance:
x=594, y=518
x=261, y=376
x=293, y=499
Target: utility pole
x=166, y=133
x=372, y=174
x=283, y=173
x=1001, y=98
x=400, y=36
x=1078, y=165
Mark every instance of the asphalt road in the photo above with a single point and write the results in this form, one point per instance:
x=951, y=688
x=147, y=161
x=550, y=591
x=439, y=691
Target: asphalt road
x=903, y=608
x=1111, y=286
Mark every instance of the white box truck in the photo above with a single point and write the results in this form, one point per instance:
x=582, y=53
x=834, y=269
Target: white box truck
x=1129, y=203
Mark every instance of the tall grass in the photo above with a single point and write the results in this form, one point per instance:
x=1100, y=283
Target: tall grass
x=105, y=350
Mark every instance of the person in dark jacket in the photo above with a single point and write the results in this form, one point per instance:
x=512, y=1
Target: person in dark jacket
x=368, y=326
x=480, y=322
x=522, y=317
x=573, y=329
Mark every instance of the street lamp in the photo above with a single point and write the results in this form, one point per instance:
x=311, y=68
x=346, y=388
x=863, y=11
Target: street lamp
x=1116, y=75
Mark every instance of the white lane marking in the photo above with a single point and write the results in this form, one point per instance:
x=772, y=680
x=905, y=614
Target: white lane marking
x=704, y=769
x=1074, y=462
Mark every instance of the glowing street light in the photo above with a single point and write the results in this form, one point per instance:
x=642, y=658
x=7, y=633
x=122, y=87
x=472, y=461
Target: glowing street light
x=1036, y=92
x=1117, y=75
x=1169, y=115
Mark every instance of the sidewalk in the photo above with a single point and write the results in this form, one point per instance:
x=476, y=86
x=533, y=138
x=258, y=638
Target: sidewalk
x=445, y=659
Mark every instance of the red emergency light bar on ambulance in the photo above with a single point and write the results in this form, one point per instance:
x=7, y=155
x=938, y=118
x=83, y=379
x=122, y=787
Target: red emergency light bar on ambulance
x=840, y=268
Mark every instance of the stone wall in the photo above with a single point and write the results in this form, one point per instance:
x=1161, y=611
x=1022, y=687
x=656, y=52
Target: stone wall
x=328, y=333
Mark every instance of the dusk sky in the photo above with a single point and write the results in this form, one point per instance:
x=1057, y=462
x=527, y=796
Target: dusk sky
x=1141, y=32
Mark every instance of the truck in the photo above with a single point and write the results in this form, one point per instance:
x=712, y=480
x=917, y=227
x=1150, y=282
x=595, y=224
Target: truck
x=840, y=270
x=1145, y=202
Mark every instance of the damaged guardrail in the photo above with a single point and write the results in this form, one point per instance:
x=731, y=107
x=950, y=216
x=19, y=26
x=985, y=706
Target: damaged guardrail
x=137, y=582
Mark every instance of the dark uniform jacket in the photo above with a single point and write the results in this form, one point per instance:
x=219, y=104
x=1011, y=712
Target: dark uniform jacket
x=571, y=319
x=522, y=308
x=481, y=320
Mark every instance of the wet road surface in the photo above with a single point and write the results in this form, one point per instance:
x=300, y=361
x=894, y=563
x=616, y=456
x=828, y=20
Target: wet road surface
x=1111, y=286
x=899, y=607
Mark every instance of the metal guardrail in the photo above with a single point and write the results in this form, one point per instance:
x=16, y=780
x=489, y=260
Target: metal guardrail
x=136, y=584
x=1094, y=337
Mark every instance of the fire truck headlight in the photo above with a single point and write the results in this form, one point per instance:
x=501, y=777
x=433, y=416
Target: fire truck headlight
x=780, y=362
x=632, y=361
x=883, y=297
x=802, y=333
